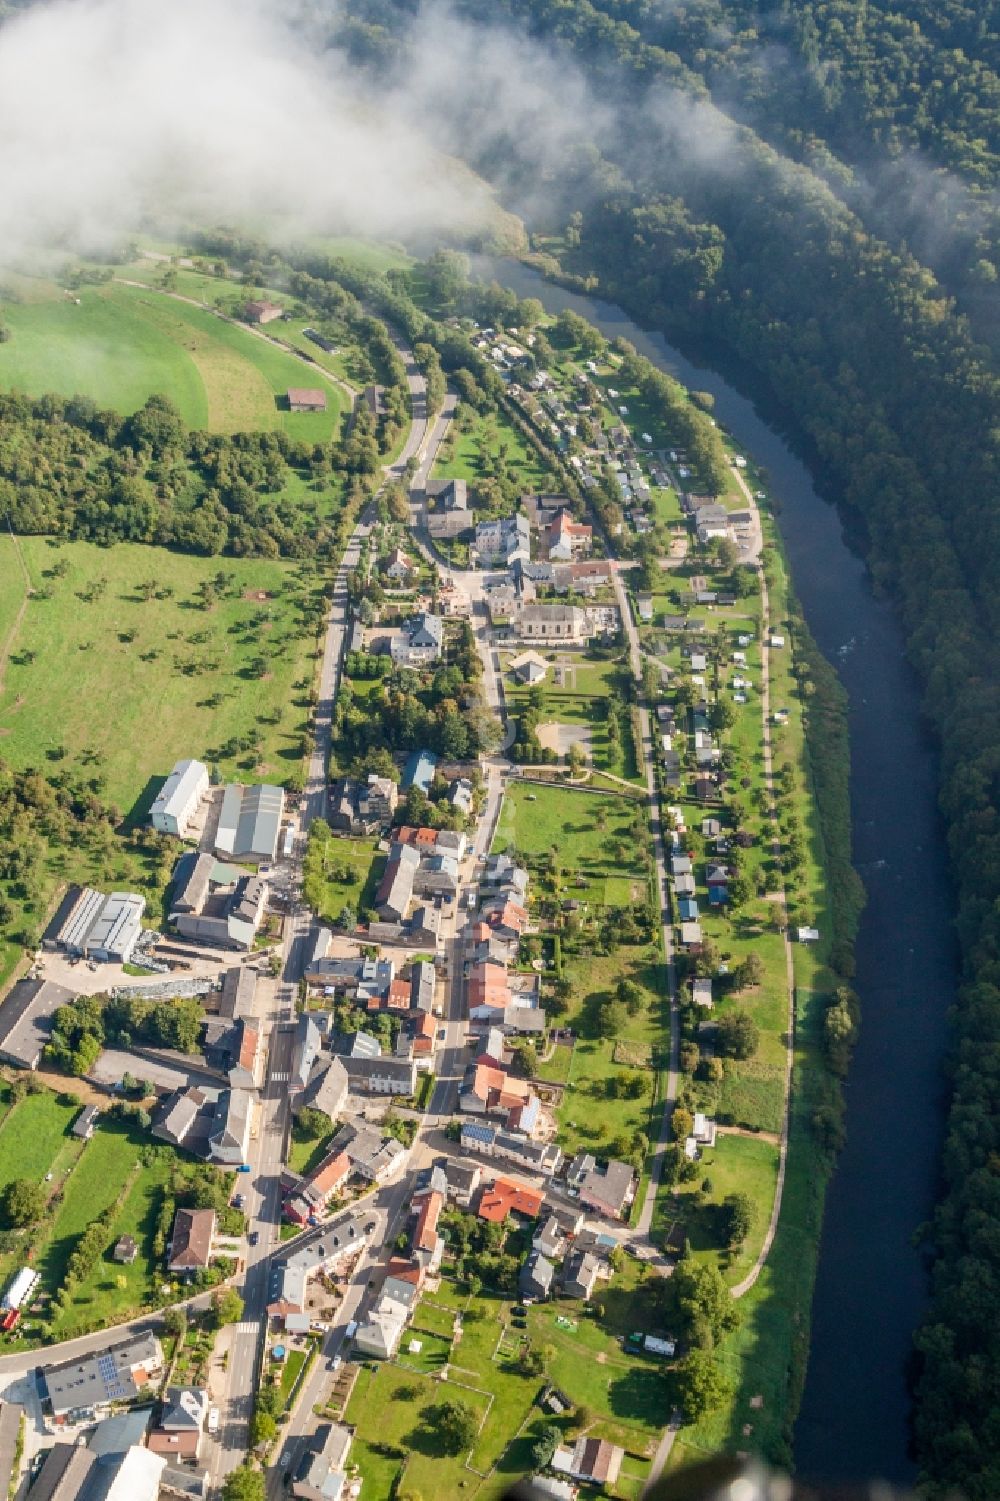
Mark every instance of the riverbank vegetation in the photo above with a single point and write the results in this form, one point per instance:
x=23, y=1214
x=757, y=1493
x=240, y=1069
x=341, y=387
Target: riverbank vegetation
x=857, y=345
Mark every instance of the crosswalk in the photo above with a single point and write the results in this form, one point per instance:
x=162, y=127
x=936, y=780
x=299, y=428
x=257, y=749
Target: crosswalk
x=280, y=1078
x=246, y=1327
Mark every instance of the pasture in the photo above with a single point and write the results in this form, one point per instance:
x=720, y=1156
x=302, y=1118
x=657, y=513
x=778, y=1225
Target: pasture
x=120, y=344
x=99, y=675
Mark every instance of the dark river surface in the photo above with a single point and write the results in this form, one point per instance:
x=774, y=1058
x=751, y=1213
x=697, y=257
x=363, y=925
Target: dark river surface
x=871, y=1285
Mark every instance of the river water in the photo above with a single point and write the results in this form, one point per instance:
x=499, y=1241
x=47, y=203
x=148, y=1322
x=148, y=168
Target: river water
x=871, y=1285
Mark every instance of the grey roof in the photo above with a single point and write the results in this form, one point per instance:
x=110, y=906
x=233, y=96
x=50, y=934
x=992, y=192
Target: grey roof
x=102, y=1377
x=426, y=919
x=116, y=1434
x=81, y=918
x=239, y=986
x=428, y=626
x=305, y=1051
x=26, y=1019
x=261, y=811
x=364, y=1045
x=362, y=1070
x=535, y=1276
x=327, y=1088
x=422, y=981
x=231, y=1127
x=609, y=1184
x=367, y=1149
x=192, y=877
x=581, y=1271
x=65, y=1474
x=339, y=1238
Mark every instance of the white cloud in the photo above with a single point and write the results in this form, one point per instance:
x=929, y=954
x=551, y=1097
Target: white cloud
x=113, y=111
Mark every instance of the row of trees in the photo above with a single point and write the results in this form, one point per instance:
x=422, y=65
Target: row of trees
x=84, y=1027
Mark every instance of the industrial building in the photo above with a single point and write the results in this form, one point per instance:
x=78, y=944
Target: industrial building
x=179, y=798
x=26, y=1020
x=250, y=822
x=98, y=926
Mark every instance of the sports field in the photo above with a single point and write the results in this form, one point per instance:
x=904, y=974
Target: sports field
x=120, y=344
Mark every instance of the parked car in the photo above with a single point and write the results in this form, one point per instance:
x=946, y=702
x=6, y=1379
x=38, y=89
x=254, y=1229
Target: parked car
x=253, y=1237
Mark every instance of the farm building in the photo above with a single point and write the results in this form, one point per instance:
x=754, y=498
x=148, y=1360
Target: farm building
x=178, y=799
x=306, y=399
x=217, y=904
x=262, y=311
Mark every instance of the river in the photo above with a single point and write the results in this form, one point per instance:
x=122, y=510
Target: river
x=871, y=1284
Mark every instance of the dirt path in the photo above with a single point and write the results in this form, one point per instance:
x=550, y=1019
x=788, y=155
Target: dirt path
x=748, y=1281
x=258, y=333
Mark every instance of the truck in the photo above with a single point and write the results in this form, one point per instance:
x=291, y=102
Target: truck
x=213, y=1420
x=351, y=1330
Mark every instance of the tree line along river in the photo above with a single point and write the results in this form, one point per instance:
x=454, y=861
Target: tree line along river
x=871, y=1283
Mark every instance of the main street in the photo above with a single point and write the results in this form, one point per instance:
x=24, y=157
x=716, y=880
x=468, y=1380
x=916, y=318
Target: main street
x=269, y=1145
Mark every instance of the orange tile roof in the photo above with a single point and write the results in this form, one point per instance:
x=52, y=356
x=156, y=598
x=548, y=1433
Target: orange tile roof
x=399, y=994
x=330, y=1173
x=422, y=838
x=507, y=1195
x=425, y=1235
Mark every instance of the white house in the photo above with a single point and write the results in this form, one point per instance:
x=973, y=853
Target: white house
x=178, y=799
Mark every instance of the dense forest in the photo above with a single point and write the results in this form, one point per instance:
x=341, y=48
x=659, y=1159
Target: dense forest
x=897, y=407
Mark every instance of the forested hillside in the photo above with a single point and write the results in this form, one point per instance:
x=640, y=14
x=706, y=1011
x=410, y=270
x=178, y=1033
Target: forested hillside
x=888, y=393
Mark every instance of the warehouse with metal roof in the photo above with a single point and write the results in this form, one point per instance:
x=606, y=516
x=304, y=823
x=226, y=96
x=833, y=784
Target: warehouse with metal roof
x=250, y=821
x=101, y=927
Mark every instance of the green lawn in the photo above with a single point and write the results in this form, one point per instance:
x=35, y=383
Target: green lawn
x=586, y=829
x=87, y=1178
x=32, y=1135
x=105, y=348
x=187, y=667
x=103, y=1170
x=472, y=454
x=339, y=871
x=120, y=344
x=736, y=1164
x=100, y=1291
x=582, y=699
x=385, y=1413
x=306, y=1151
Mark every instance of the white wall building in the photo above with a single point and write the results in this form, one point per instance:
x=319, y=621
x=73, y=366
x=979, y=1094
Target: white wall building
x=178, y=799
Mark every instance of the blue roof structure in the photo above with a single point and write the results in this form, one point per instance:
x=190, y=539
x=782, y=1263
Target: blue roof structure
x=688, y=908
x=477, y=1132
x=419, y=770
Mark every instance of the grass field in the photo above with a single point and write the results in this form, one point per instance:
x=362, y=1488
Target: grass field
x=338, y=871
x=33, y=1134
x=582, y=699
x=120, y=344
x=585, y=828
x=87, y=1178
x=472, y=454
x=165, y=665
